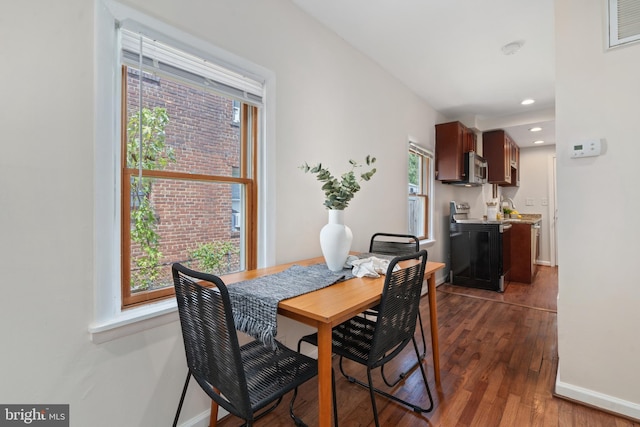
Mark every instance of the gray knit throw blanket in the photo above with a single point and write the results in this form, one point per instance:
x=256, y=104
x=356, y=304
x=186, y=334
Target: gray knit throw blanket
x=255, y=302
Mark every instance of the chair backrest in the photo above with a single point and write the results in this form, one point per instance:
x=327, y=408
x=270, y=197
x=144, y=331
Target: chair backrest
x=394, y=244
x=399, y=306
x=210, y=339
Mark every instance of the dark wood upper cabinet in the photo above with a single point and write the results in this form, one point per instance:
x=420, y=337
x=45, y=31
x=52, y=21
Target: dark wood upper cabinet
x=453, y=139
x=515, y=165
x=503, y=158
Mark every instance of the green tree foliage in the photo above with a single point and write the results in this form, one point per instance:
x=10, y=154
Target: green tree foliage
x=213, y=257
x=152, y=155
x=414, y=163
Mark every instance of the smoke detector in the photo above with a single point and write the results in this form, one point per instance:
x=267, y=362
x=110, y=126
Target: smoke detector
x=513, y=47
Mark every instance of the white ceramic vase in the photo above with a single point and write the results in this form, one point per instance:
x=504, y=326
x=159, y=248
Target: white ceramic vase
x=335, y=240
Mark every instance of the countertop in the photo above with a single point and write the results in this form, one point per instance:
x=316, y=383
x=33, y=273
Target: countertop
x=530, y=219
x=525, y=219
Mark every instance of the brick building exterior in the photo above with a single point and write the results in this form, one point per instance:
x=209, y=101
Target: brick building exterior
x=204, y=132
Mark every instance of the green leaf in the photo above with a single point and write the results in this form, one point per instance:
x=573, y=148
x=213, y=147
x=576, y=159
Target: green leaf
x=338, y=193
x=155, y=156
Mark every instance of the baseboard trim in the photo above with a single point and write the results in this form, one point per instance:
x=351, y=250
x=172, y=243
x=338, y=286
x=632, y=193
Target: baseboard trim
x=202, y=419
x=597, y=400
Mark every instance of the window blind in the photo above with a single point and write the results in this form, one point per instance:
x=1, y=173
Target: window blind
x=420, y=150
x=624, y=22
x=157, y=57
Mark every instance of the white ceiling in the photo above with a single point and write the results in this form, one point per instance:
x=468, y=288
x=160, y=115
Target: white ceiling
x=450, y=53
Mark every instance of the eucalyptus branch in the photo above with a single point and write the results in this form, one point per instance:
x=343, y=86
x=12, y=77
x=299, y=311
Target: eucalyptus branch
x=339, y=192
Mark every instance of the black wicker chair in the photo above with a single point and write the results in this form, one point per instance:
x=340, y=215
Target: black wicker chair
x=394, y=244
x=243, y=380
x=397, y=244
x=375, y=343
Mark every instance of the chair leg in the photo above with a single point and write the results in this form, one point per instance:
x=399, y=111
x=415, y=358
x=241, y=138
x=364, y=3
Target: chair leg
x=294, y=417
x=413, y=406
x=424, y=341
x=213, y=418
x=372, y=394
x=409, y=371
x=344, y=374
x=424, y=379
x=184, y=392
x=271, y=408
x=297, y=421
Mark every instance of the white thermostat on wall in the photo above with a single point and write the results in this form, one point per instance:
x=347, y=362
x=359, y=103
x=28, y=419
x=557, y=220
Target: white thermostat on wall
x=589, y=148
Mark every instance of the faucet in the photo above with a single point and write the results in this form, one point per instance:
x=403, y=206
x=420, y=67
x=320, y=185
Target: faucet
x=513, y=205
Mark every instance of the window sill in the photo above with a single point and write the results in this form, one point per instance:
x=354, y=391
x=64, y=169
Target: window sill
x=133, y=321
x=427, y=242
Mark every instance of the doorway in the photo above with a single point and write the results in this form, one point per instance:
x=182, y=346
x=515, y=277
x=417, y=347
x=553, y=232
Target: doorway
x=553, y=212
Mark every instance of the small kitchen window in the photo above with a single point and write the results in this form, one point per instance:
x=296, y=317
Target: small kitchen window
x=420, y=179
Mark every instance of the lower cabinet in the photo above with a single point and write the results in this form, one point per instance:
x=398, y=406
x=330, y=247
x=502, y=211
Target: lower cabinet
x=524, y=241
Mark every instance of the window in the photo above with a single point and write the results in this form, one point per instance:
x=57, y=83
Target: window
x=624, y=22
x=420, y=185
x=235, y=120
x=188, y=177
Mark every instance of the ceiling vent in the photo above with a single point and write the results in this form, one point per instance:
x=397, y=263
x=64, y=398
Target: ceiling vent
x=624, y=22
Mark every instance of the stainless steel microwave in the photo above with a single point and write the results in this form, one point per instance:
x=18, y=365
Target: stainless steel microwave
x=475, y=170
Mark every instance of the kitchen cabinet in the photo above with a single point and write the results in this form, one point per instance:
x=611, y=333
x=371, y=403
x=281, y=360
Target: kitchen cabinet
x=515, y=166
x=453, y=139
x=503, y=158
x=524, y=251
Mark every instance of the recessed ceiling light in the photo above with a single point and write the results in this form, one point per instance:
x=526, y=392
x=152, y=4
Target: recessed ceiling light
x=528, y=101
x=538, y=142
x=535, y=129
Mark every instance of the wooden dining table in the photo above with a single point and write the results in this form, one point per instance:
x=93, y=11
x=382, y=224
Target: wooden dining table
x=328, y=307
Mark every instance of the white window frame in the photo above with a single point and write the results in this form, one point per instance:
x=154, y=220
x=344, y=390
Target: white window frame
x=632, y=15
x=429, y=175
x=109, y=321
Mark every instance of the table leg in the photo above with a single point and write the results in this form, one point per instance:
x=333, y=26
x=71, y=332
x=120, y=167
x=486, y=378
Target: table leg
x=213, y=419
x=433, y=315
x=324, y=375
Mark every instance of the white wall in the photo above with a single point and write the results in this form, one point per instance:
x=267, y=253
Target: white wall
x=534, y=185
x=598, y=316
x=332, y=104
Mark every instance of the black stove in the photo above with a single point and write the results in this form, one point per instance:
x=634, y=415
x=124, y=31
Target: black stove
x=479, y=250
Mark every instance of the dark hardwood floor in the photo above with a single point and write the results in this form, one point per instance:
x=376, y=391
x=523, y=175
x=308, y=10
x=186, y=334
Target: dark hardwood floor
x=498, y=356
